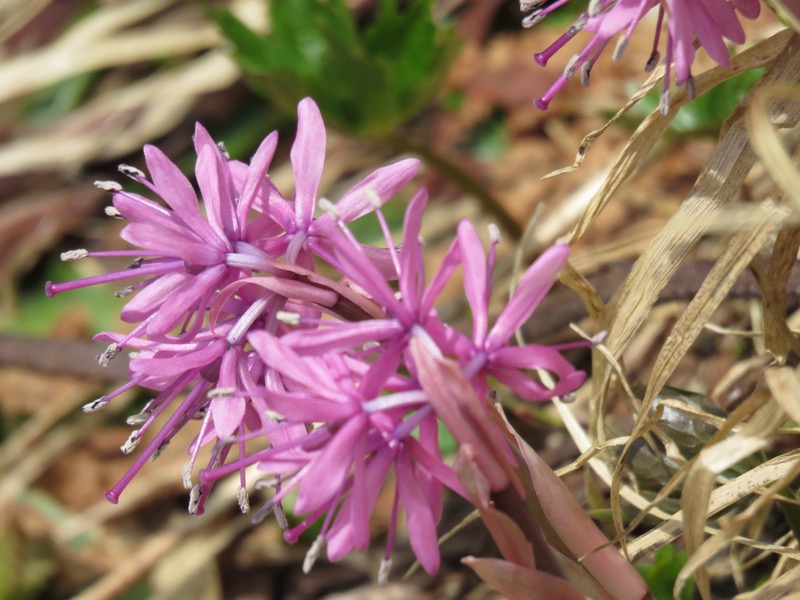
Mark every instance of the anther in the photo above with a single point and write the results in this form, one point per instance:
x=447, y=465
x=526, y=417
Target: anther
x=95, y=405
x=622, y=44
x=494, y=233
x=329, y=207
x=243, y=499
x=313, y=554
x=109, y=353
x=111, y=211
x=108, y=186
x=131, y=443
x=71, y=255
x=288, y=318
x=187, y=475
x=127, y=291
x=135, y=263
x=131, y=172
x=384, y=570
x=194, y=499
x=652, y=62
x=223, y=150
x=159, y=450
x=586, y=72
x=220, y=393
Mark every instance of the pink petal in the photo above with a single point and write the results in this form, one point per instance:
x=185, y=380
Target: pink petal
x=216, y=185
x=175, y=189
x=475, y=285
x=308, y=158
x=533, y=286
x=419, y=516
x=255, y=177
x=328, y=472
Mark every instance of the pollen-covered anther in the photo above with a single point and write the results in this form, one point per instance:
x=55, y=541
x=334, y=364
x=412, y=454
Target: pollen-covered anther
x=108, y=186
x=243, y=499
x=221, y=393
x=105, y=357
x=187, y=475
x=622, y=44
x=569, y=71
x=131, y=172
x=288, y=318
x=280, y=516
x=111, y=211
x=95, y=405
x=194, y=499
x=494, y=233
x=329, y=207
x=373, y=197
x=126, y=291
x=313, y=554
x=384, y=570
x=586, y=72
x=159, y=450
x=71, y=255
x=137, y=419
x=131, y=443
x=273, y=416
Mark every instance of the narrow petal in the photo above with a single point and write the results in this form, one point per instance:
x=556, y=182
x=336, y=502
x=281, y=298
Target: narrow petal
x=326, y=475
x=255, y=177
x=175, y=189
x=308, y=158
x=533, y=286
x=216, y=186
x=475, y=284
x=419, y=517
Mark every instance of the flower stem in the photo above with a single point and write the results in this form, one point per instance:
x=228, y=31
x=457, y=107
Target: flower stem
x=457, y=174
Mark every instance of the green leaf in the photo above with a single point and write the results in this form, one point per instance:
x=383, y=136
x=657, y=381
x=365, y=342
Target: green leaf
x=662, y=573
x=367, y=82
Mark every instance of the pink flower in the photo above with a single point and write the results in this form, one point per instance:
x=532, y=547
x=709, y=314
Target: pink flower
x=708, y=21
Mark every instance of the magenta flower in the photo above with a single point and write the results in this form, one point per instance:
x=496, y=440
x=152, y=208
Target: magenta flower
x=356, y=434
x=489, y=352
x=711, y=22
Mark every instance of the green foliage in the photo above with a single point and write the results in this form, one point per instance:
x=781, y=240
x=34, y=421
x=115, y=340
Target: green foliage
x=366, y=82
x=705, y=115
x=662, y=573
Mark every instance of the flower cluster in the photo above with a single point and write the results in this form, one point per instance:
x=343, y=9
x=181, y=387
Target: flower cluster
x=711, y=22
x=315, y=380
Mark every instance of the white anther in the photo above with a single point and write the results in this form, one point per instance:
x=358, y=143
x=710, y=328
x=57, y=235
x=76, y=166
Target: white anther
x=137, y=419
x=126, y=291
x=373, y=197
x=288, y=318
x=280, y=516
x=569, y=71
x=370, y=346
x=220, y=393
x=622, y=44
x=159, y=450
x=194, y=499
x=594, y=7
x=313, y=554
x=108, y=186
x=383, y=571
x=243, y=499
x=494, y=233
x=131, y=172
x=71, y=255
x=111, y=211
x=273, y=416
x=224, y=150
x=109, y=353
x=187, y=475
x=329, y=207
x=95, y=405
x=131, y=443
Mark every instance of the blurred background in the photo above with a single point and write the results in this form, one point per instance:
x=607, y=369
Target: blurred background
x=84, y=85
